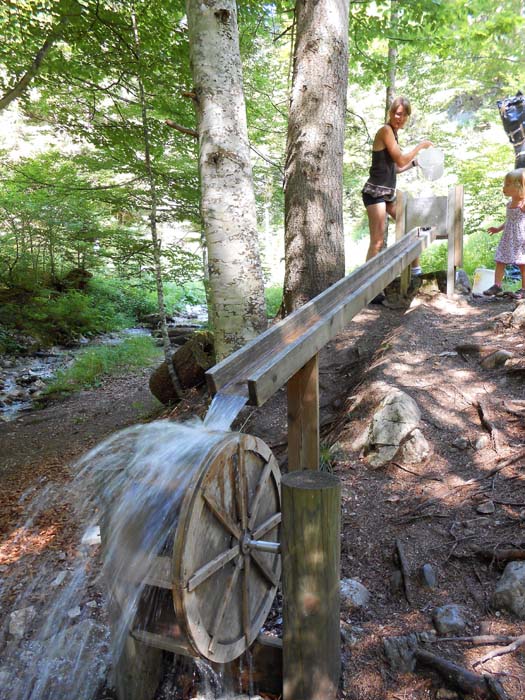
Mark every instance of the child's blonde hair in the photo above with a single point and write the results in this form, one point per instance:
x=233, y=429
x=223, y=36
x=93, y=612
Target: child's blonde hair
x=517, y=178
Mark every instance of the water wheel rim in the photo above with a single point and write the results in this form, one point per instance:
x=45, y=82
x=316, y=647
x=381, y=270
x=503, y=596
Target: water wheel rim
x=228, y=584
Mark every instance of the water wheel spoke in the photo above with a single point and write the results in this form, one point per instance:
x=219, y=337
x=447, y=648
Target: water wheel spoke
x=221, y=515
x=207, y=570
x=246, y=621
x=259, y=490
x=265, y=527
x=264, y=568
x=224, y=604
x=241, y=488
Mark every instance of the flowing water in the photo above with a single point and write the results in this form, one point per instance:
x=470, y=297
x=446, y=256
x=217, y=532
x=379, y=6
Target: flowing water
x=54, y=639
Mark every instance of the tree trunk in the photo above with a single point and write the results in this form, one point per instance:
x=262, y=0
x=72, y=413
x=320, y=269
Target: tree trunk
x=238, y=310
x=314, y=241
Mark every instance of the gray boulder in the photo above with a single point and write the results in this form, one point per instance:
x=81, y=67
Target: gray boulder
x=510, y=591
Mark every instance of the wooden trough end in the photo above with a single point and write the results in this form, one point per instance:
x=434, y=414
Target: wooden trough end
x=264, y=365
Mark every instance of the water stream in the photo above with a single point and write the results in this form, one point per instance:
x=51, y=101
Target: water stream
x=54, y=632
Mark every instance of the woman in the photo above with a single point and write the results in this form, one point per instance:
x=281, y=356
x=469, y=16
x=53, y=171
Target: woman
x=379, y=191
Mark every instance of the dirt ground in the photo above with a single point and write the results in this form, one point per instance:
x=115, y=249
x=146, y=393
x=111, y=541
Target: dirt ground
x=431, y=510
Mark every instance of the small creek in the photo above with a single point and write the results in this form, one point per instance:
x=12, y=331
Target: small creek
x=22, y=379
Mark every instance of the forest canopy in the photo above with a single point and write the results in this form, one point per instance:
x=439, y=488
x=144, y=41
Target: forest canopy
x=77, y=78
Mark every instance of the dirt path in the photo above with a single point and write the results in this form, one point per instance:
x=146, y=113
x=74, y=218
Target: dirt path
x=430, y=508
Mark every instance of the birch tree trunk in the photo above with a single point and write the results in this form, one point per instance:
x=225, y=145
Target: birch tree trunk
x=314, y=240
x=238, y=310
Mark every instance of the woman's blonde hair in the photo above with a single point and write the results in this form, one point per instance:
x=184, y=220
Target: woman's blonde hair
x=517, y=178
x=400, y=102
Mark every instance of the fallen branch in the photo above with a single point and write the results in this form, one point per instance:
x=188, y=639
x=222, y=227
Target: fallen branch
x=513, y=646
x=500, y=555
x=482, y=687
x=485, y=415
x=479, y=640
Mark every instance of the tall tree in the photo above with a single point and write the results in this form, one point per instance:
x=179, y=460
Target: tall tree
x=228, y=212
x=314, y=244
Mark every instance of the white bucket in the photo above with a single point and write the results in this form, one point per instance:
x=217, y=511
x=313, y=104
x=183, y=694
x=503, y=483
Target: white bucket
x=483, y=279
x=431, y=161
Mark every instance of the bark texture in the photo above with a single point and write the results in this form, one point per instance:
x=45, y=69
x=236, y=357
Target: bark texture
x=314, y=241
x=238, y=311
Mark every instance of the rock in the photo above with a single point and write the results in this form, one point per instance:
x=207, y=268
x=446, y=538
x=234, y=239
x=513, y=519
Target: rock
x=486, y=508
x=397, y=417
x=510, y=590
x=518, y=316
x=59, y=579
x=461, y=443
x=399, y=651
x=414, y=450
x=353, y=594
x=446, y=694
x=91, y=536
x=73, y=613
x=350, y=634
x=496, y=359
x=428, y=576
x=20, y=621
x=448, y=620
x=462, y=283
x=482, y=442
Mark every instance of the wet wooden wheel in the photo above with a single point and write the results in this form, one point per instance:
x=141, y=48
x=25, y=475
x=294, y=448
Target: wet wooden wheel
x=223, y=584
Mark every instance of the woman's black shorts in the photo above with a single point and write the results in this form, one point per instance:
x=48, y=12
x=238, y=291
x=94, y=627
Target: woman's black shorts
x=368, y=199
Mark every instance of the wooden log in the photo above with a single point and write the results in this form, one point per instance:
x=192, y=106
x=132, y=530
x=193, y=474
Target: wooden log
x=461, y=678
x=400, y=232
x=303, y=417
x=310, y=544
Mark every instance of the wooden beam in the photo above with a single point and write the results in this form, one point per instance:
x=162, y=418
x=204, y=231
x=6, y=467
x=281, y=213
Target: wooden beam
x=400, y=232
x=265, y=364
x=310, y=541
x=303, y=417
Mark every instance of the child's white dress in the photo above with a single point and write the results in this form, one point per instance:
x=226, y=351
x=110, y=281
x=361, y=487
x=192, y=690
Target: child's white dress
x=511, y=248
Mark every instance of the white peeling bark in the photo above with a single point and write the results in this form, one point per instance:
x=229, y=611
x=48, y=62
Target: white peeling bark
x=238, y=311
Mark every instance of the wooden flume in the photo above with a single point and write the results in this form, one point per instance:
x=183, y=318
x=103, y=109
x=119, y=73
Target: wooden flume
x=214, y=593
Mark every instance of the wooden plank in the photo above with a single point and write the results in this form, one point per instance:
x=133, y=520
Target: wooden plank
x=311, y=534
x=400, y=232
x=427, y=211
x=451, y=245
x=303, y=417
x=458, y=226
x=230, y=375
x=160, y=573
x=286, y=360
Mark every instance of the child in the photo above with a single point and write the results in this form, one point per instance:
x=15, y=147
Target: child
x=511, y=248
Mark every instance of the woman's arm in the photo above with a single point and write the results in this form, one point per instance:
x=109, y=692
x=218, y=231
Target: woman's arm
x=496, y=229
x=402, y=160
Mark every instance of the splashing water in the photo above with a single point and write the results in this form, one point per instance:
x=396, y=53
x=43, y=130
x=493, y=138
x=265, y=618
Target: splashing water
x=54, y=639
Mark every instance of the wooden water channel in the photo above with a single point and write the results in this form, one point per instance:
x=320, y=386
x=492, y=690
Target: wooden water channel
x=232, y=539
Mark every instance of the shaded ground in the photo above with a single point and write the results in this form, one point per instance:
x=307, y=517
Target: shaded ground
x=430, y=508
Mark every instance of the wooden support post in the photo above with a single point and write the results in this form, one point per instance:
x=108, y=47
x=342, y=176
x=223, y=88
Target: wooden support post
x=310, y=542
x=455, y=235
x=303, y=417
x=400, y=232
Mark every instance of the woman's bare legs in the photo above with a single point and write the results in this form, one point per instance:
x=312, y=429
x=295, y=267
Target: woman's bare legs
x=376, y=223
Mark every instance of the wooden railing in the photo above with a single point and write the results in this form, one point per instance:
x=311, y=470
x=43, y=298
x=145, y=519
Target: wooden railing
x=287, y=353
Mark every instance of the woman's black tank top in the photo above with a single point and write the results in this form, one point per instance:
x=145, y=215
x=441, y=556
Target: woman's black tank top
x=383, y=168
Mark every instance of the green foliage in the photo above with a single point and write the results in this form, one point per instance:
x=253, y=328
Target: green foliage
x=96, y=363
x=274, y=297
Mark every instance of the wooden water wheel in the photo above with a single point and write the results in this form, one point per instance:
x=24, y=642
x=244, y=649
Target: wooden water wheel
x=215, y=591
